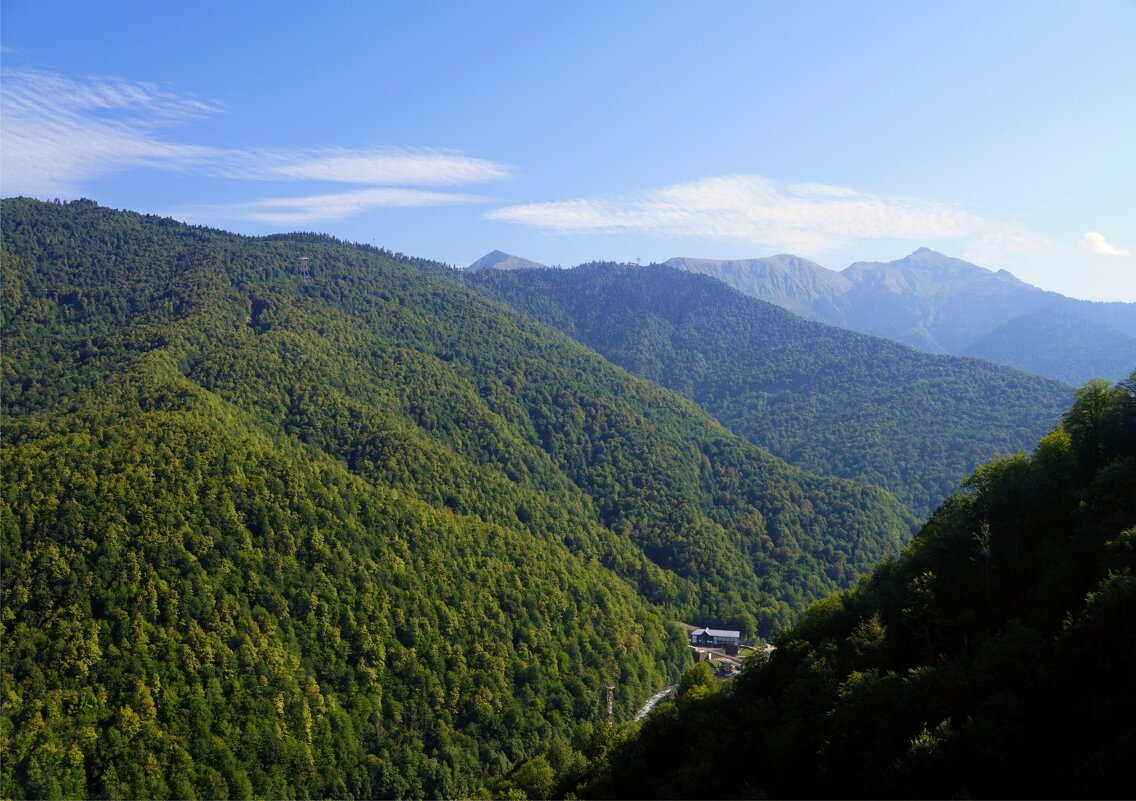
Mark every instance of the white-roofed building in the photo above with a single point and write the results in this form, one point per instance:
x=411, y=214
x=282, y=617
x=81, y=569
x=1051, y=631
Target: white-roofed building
x=715, y=638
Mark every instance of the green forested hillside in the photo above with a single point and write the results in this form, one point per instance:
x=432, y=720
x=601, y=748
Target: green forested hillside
x=194, y=610
x=361, y=534
x=829, y=400
x=996, y=658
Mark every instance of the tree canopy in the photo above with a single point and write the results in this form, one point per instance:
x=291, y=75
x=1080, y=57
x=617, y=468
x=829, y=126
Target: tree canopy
x=828, y=400
x=996, y=657
x=361, y=532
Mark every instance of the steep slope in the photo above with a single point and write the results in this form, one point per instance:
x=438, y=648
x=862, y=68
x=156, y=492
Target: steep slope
x=829, y=400
x=357, y=532
x=941, y=304
x=934, y=302
x=195, y=609
x=499, y=260
x=794, y=283
x=995, y=659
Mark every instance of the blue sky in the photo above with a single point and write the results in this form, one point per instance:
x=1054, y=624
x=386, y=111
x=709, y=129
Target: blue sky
x=1003, y=133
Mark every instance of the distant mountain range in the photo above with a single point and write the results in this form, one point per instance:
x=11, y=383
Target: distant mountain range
x=941, y=304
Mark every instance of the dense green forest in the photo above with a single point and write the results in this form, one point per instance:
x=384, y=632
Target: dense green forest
x=996, y=658
x=284, y=516
x=828, y=400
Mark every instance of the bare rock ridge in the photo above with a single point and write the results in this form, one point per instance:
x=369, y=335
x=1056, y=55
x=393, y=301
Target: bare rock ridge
x=499, y=260
x=789, y=281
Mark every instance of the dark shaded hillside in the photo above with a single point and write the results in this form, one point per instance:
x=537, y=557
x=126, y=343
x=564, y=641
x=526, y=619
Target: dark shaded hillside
x=996, y=658
x=366, y=533
x=829, y=400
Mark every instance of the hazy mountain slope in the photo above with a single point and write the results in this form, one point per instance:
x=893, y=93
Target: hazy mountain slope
x=830, y=400
x=789, y=281
x=941, y=304
x=1067, y=337
x=934, y=302
x=1116, y=316
x=498, y=260
x=365, y=534
x=995, y=659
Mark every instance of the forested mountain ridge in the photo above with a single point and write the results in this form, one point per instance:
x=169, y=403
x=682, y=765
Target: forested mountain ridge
x=996, y=658
x=286, y=516
x=827, y=399
x=941, y=304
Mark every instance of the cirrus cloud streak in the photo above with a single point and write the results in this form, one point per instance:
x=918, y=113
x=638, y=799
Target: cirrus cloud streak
x=61, y=133
x=808, y=217
x=336, y=206
x=390, y=166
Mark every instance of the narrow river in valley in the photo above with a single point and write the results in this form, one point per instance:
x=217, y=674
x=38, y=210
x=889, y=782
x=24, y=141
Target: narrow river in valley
x=654, y=699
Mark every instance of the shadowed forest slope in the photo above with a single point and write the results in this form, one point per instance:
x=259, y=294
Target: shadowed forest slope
x=994, y=659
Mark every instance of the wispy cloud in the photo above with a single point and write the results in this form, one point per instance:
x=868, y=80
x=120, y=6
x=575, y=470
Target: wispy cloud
x=335, y=206
x=1095, y=243
x=1001, y=241
x=809, y=218
x=60, y=133
x=400, y=167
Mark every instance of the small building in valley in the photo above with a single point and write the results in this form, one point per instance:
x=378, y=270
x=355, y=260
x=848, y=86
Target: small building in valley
x=715, y=638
